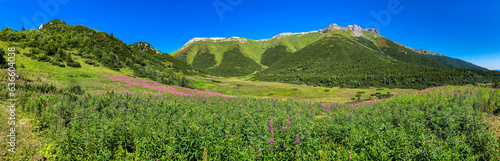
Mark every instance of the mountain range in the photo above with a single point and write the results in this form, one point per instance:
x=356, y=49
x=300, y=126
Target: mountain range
x=335, y=56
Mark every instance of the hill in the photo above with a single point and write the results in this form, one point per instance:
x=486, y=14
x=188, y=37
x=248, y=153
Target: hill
x=57, y=42
x=450, y=62
x=340, y=60
x=335, y=56
x=208, y=53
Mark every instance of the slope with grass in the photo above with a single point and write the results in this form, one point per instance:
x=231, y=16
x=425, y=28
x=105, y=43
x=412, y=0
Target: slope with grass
x=198, y=51
x=357, y=57
x=58, y=43
x=338, y=60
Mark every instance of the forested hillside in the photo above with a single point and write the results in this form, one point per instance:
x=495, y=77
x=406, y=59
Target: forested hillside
x=337, y=60
x=57, y=42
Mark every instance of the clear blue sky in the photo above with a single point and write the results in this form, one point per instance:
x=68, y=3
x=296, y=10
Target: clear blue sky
x=469, y=30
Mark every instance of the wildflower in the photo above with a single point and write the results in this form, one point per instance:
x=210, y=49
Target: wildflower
x=271, y=125
x=271, y=142
x=297, y=139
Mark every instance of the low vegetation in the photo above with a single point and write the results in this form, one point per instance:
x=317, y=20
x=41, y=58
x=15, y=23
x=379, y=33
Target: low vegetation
x=432, y=124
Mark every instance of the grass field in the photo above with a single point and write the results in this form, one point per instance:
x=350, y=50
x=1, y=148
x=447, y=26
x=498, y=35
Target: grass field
x=242, y=87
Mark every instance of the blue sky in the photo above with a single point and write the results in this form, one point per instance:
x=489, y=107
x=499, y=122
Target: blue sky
x=468, y=30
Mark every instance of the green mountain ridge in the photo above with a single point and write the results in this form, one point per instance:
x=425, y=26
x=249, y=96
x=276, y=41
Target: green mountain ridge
x=339, y=60
x=57, y=42
x=335, y=56
x=267, y=51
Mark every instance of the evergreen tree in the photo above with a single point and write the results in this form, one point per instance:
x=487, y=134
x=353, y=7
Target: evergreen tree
x=3, y=62
x=23, y=28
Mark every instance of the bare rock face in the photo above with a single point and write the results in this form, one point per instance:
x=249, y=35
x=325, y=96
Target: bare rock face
x=143, y=46
x=332, y=27
x=357, y=31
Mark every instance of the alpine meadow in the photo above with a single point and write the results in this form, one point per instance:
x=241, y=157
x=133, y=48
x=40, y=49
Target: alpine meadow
x=102, y=91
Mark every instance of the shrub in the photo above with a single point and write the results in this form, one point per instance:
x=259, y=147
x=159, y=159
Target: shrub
x=74, y=64
x=56, y=63
x=90, y=62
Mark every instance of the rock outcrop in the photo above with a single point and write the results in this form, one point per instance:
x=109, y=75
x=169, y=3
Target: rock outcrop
x=144, y=46
x=357, y=31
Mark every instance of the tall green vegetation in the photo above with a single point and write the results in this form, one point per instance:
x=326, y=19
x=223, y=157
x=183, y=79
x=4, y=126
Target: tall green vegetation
x=274, y=54
x=234, y=63
x=3, y=61
x=433, y=124
x=204, y=60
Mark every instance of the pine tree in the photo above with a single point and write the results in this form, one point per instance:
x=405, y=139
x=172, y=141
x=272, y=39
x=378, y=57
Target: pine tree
x=3, y=62
x=23, y=28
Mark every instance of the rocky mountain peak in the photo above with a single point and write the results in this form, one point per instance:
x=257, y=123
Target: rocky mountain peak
x=144, y=46
x=357, y=31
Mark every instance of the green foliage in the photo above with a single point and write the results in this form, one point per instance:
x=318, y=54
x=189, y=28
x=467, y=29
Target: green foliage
x=336, y=60
x=204, y=60
x=74, y=64
x=90, y=62
x=57, y=41
x=3, y=62
x=455, y=63
x=426, y=125
x=274, y=54
x=58, y=64
x=73, y=89
x=234, y=63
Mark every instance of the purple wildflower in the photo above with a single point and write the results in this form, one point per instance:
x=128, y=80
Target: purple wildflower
x=297, y=139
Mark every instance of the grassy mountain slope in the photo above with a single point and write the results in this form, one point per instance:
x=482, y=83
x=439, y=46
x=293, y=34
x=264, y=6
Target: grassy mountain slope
x=235, y=64
x=338, y=60
x=448, y=61
x=57, y=43
x=253, y=49
x=274, y=54
x=336, y=56
x=455, y=63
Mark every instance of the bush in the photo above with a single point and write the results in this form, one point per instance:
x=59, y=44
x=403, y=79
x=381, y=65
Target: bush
x=215, y=81
x=90, y=62
x=43, y=58
x=73, y=89
x=74, y=64
x=56, y=63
